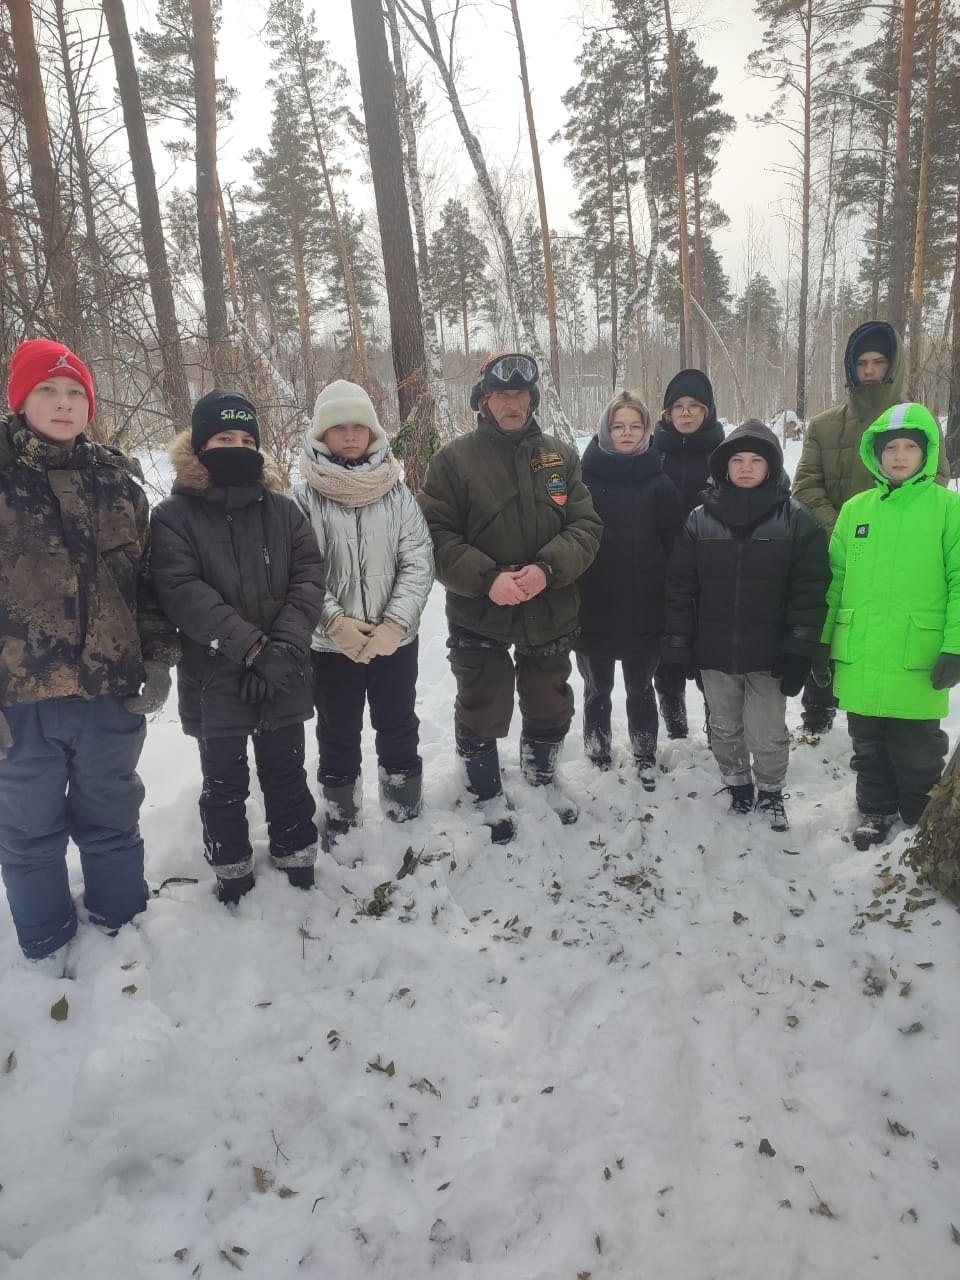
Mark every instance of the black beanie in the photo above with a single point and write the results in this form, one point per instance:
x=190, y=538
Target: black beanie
x=876, y=337
x=689, y=382
x=883, y=438
x=222, y=410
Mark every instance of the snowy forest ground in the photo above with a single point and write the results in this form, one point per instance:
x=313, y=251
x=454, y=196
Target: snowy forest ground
x=664, y=1042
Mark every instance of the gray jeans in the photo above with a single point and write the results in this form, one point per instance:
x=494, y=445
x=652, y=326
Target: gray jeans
x=748, y=718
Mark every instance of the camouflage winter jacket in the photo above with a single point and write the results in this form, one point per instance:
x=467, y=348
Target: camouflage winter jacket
x=78, y=614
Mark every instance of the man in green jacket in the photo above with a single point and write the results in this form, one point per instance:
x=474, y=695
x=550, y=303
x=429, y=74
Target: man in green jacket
x=513, y=528
x=893, y=621
x=831, y=470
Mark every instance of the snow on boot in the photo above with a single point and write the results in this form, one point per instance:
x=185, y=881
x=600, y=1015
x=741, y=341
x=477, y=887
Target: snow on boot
x=741, y=797
x=342, y=812
x=645, y=758
x=770, y=805
x=401, y=794
x=538, y=764
x=231, y=889
x=673, y=711
x=485, y=785
x=817, y=722
x=596, y=743
x=873, y=829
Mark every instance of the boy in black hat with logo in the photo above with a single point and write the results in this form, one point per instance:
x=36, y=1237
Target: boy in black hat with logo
x=513, y=528
x=239, y=573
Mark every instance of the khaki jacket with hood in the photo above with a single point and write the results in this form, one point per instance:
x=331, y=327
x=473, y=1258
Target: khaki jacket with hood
x=831, y=470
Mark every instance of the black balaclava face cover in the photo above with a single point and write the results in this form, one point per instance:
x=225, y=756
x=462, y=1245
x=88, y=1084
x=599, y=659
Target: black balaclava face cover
x=233, y=465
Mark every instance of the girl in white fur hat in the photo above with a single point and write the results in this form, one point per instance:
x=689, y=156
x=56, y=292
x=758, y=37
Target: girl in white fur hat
x=378, y=557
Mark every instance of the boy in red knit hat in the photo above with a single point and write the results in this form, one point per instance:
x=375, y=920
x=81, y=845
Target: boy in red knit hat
x=80, y=634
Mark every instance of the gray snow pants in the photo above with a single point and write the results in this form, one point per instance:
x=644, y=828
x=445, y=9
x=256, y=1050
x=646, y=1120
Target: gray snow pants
x=748, y=719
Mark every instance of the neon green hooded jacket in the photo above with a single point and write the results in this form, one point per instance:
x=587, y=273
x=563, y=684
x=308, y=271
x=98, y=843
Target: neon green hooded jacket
x=894, y=601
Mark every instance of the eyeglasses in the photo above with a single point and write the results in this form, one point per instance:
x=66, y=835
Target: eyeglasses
x=687, y=410
x=511, y=372
x=622, y=428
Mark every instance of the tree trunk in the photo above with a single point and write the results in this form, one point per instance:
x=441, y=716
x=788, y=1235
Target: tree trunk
x=953, y=410
x=428, y=297
x=431, y=45
x=686, y=343
x=541, y=201
x=703, y=349
x=303, y=309
x=612, y=264
x=896, y=299
x=916, y=308
x=60, y=264
x=801, y=399
x=11, y=240
x=393, y=216
x=176, y=390
x=208, y=206
x=228, y=249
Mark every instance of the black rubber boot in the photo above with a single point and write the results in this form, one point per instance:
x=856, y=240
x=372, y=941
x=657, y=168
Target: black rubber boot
x=538, y=763
x=873, y=829
x=232, y=890
x=673, y=712
x=401, y=795
x=342, y=814
x=485, y=785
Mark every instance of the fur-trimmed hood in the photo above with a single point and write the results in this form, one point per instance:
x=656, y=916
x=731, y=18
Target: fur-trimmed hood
x=194, y=477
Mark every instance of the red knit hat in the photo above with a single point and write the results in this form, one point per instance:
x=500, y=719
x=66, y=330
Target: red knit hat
x=37, y=359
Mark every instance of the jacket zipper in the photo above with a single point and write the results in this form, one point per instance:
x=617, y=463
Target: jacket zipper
x=736, y=602
x=363, y=593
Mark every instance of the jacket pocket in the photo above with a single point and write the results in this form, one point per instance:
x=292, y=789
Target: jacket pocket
x=845, y=645
x=924, y=641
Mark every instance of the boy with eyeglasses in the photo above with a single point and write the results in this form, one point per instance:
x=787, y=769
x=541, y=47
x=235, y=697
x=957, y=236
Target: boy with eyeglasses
x=513, y=527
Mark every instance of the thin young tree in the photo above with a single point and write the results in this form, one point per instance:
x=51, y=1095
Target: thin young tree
x=897, y=294
x=919, y=244
x=208, y=207
x=686, y=336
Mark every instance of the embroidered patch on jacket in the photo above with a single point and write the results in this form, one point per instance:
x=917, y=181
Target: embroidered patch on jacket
x=557, y=489
x=862, y=531
x=540, y=461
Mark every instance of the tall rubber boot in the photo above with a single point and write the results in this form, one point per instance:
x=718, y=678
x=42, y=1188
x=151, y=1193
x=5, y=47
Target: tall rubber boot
x=485, y=785
x=342, y=811
x=401, y=794
x=538, y=763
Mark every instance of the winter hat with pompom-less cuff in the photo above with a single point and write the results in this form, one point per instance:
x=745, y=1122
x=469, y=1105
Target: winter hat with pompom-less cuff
x=37, y=359
x=339, y=403
x=221, y=410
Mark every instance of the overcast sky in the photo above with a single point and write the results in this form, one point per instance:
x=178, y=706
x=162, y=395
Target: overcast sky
x=746, y=184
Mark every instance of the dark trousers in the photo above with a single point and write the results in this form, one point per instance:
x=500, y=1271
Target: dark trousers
x=487, y=678
x=819, y=703
x=896, y=763
x=289, y=806
x=341, y=689
x=71, y=773
x=642, y=719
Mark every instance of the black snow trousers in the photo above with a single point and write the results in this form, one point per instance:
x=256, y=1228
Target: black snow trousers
x=896, y=763
x=642, y=719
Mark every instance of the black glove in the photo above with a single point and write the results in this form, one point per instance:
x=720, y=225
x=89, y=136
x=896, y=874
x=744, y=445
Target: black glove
x=822, y=669
x=278, y=665
x=793, y=669
x=253, y=688
x=679, y=657
x=946, y=671
x=156, y=688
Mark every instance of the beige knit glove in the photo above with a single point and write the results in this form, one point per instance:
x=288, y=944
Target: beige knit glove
x=385, y=640
x=350, y=635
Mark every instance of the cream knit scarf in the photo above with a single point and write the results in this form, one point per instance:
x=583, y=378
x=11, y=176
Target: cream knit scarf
x=350, y=486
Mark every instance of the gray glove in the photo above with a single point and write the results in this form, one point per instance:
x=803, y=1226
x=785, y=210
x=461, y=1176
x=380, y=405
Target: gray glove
x=6, y=737
x=156, y=689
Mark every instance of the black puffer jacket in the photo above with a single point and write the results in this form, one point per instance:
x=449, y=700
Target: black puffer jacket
x=686, y=459
x=749, y=573
x=232, y=565
x=622, y=593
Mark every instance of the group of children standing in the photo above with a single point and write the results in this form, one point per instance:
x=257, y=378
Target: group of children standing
x=274, y=609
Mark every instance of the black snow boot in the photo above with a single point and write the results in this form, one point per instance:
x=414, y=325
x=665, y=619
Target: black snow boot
x=816, y=721
x=301, y=877
x=673, y=712
x=741, y=798
x=873, y=829
x=230, y=891
x=538, y=763
x=645, y=757
x=401, y=794
x=770, y=804
x=342, y=811
x=485, y=785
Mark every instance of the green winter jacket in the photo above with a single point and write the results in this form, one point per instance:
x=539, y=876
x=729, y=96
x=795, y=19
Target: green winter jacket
x=499, y=500
x=894, y=602
x=830, y=470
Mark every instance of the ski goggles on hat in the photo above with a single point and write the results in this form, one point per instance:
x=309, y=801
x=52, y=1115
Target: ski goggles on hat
x=512, y=372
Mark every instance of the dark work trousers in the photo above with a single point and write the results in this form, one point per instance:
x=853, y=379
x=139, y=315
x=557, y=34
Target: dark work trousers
x=71, y=772
x=342, y=687
x=642, y=719
x=487, y=677
x=670, y=681
x=287, y=801
x=819, y=704
x=896, y=763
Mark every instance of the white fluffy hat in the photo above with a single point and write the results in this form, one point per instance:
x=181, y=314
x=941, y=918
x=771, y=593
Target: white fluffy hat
x=342, y=402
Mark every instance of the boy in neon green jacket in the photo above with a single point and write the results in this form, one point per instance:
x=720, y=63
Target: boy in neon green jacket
x=893, y=624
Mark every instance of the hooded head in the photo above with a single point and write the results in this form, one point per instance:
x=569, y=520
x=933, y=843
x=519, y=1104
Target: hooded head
x=876, y=339
x=912, y=422
x=625, y=410
x=343, y=404
x=753, y=437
